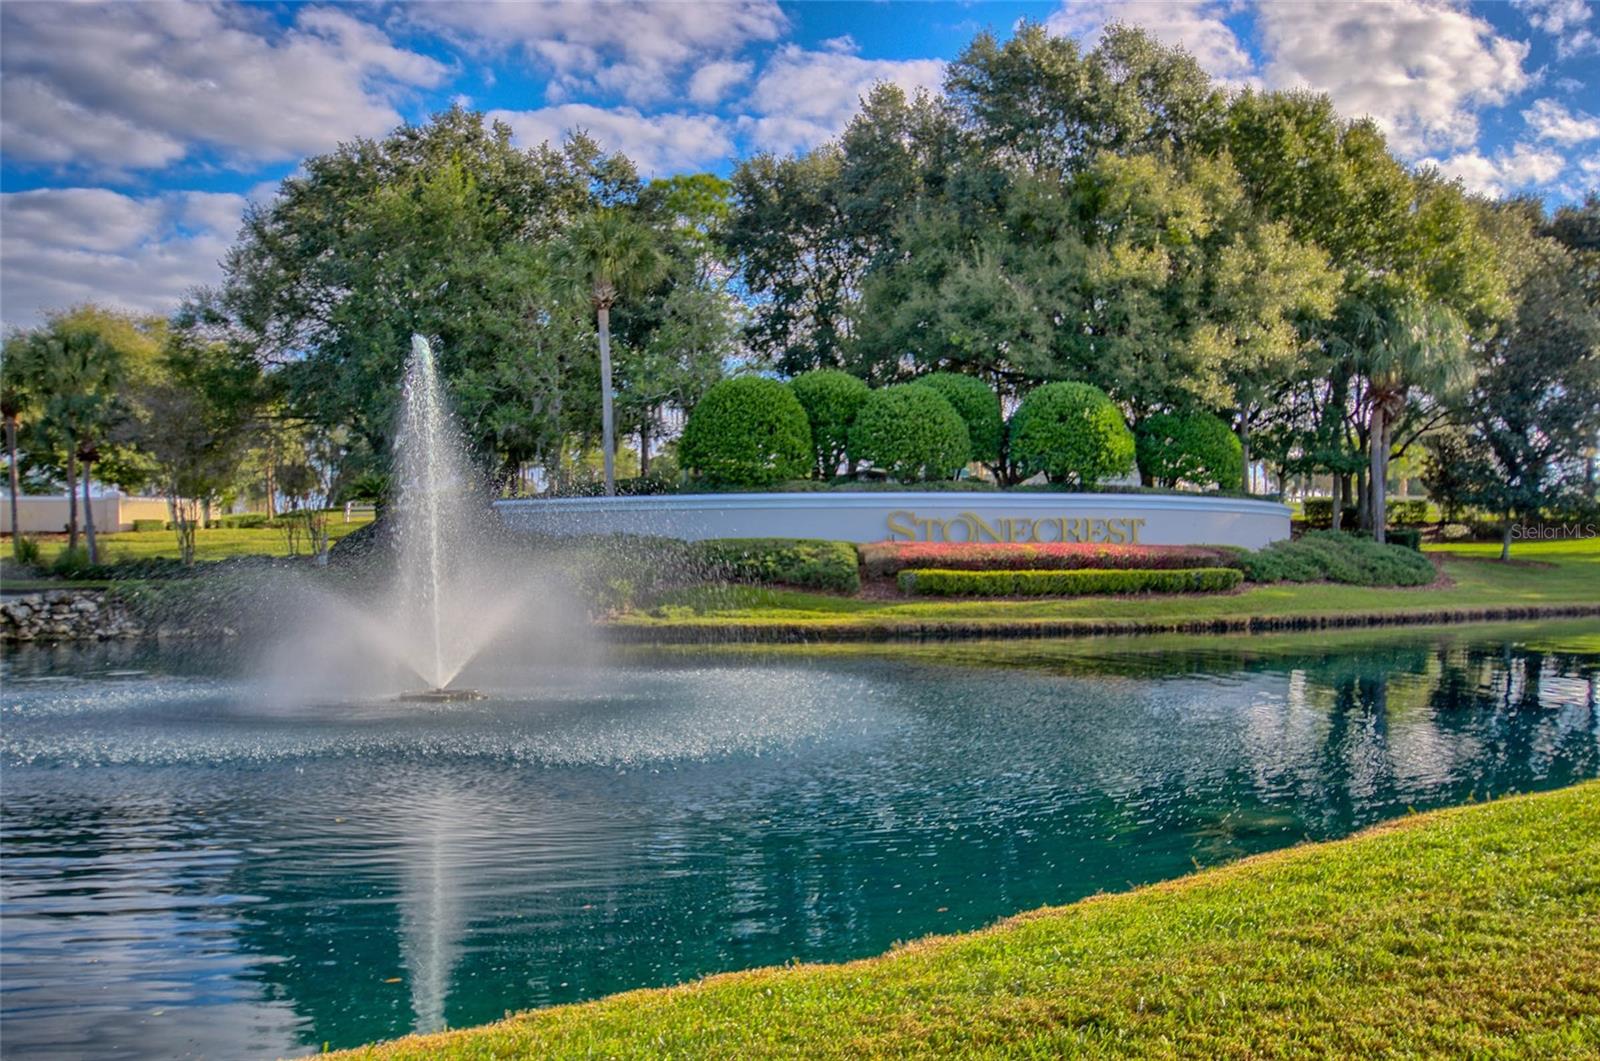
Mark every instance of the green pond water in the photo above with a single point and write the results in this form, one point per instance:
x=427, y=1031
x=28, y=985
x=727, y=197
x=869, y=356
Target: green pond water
x=194, y=866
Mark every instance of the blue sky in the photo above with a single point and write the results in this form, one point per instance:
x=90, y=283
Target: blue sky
x=133, y=135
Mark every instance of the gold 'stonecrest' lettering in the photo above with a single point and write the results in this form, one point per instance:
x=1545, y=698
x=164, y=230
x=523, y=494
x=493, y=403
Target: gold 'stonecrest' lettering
x=971, y=527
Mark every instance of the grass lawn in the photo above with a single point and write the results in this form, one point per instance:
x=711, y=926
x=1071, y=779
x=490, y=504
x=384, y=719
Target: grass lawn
x=209, y=544
x=1542, y=573
x=1142, y=655
x=1471, y=932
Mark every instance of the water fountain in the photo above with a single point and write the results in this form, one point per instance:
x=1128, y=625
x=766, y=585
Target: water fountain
x=449, y=587
x=434, y=510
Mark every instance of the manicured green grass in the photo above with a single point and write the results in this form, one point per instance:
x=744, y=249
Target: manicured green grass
x=1472, y=932
x=209, y=544
x=1543, y=573
x=1146, y=654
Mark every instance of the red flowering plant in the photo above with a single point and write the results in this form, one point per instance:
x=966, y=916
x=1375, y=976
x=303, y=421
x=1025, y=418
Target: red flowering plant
x=883, y=559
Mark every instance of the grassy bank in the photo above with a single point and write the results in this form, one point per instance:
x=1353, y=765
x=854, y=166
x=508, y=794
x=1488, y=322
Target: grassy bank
x=1542, y=575
x=1147, y=654
x=1466, y=932
x=216, y=544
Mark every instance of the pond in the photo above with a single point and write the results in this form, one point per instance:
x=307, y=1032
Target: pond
x=192, y=866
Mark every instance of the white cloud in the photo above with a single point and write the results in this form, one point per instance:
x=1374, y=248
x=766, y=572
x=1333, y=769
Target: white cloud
x=1523, y=167
x=1421, y=68
x=1564, y=20
x=125, y=86
x=63, y=246
x=713, y=81
x=634, y=50
x=1197, y=26
x=1553, y=16
x=657, y=143
x=802, y=98
x=1550, y=119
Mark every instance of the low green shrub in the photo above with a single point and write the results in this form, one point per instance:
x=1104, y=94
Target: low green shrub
x=27, y=551
x=144, y=526
x=887, y=558
x=246, y=521
x=813, y=563
x=979, y=408
x=1319, y=514
x=1072, y=433
x=1333, y=556
x=947, y=583
x=910, y=433
x=73, y=563
x=1195, y=448
x=748, y=431
x=831, y=399
x=1407, y=512
x=1409, y=537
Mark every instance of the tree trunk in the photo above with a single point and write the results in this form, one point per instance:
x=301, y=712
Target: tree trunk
x=16, y=486
x=1505, y=539
x=72, y=498
x=1339, y=493
x=88, y=514
x=1378, y=441
x=1244, y=448
x=644, y=445
x=1363, y=499
x=271, y=480
x=608, y=437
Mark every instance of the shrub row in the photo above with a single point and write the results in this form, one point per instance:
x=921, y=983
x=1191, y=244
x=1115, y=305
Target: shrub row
x=811, y=563
x=888, y=558
x=147, y=525
x=1409, y=512
x=948, y=583
x=753, y=432
x=1332, y=556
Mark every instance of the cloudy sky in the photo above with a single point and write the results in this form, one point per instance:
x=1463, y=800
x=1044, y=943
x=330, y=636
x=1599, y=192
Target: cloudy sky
x=133, y=134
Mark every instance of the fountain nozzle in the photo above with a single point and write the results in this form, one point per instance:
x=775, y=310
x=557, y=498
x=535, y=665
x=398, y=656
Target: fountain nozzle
x=441, y=696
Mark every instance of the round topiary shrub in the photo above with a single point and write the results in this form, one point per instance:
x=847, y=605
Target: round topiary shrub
x=1072, y=433
x=1195, y=448
x=749, y=431
x=911, y=433
x=979, y=408
x=831, y=399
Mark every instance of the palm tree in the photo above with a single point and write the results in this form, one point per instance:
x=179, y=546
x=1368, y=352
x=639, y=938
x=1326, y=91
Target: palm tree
x=74, y=372
x=13, y=402
x=1400, y=348
x=605, y=257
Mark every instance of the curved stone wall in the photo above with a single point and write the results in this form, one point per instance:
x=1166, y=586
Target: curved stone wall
x=867, y=516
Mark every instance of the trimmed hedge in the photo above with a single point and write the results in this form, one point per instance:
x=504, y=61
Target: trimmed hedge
x=1411, y=512
x=144, y=526
x=947, y=583
x=1195, y=448
x=247, y=521
x=810, y=562
x=749, y=431
x=1072, y=433
x=1333, y=556
x=978, y=407
x=831, y=399
x=910, y=433
x=888, y=558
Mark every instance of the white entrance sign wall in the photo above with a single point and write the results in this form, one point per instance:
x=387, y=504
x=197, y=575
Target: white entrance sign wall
x=1143, y=519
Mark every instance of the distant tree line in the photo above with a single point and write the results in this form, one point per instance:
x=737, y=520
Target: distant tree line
x=1108, y=217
